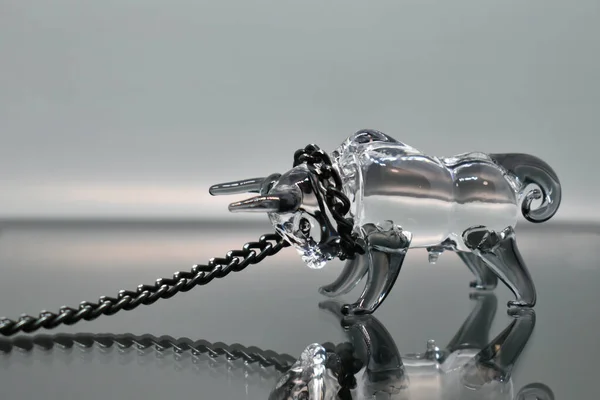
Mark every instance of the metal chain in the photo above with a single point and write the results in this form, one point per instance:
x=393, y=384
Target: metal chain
x=236, y=260
x=164, y=288
x=338, y=203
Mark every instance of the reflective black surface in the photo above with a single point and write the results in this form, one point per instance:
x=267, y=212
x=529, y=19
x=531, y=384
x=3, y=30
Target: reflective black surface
x=273, y=305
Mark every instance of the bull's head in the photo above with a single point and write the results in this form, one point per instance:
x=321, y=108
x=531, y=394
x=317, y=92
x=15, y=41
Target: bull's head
x=294, y=203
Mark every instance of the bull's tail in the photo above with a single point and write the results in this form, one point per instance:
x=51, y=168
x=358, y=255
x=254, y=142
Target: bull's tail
x=527, y=170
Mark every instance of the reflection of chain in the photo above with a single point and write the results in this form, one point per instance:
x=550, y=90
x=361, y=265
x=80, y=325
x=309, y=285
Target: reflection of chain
x=163, y=344
x=234, y=361
x=164, y=288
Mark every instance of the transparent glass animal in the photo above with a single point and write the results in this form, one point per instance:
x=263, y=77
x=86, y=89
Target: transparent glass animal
x=471, y=366
x=401, y=198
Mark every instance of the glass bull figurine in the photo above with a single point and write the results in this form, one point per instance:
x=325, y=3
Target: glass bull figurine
x=400, y=198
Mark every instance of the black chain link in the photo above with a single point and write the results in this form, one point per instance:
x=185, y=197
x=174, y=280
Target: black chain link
x=236, y=260
x=338, y=203
x=164, y=288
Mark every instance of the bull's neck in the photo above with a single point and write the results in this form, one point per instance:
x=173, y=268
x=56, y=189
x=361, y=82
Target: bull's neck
x=348, y=168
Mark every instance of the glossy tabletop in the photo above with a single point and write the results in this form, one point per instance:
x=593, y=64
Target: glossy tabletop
x=271, y=309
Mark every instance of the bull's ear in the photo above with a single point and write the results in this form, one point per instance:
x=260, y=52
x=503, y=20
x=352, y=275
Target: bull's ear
x=284, y=202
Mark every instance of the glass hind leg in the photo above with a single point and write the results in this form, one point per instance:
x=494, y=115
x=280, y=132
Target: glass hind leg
x=500, y=252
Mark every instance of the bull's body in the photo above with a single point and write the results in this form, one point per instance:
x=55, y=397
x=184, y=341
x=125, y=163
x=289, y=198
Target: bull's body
x=400, y=199
x=434, y=199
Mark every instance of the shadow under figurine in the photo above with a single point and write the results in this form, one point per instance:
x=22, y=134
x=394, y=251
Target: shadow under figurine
x=374, y=198
x=370, y=366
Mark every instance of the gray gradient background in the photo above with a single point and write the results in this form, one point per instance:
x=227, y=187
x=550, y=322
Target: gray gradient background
x=273, y=305
x=121, y=109
x=133, y=108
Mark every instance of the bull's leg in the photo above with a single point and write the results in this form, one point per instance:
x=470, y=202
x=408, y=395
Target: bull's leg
x=500, y=252
x=373, y=346
x=501, y=354
x=353, y=272
x=386, y=249
x=474, y=332
x=485, y=278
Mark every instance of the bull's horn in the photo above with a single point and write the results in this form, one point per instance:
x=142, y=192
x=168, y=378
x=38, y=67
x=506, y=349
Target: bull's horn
x=252, y=185
x=286, y=202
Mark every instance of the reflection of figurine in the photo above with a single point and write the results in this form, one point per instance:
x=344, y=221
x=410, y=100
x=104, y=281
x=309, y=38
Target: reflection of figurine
x=308, y=378
x=468, y=368
x=399, y=198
